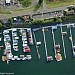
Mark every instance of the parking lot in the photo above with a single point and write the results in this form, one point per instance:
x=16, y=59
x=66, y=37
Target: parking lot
x=47, y=15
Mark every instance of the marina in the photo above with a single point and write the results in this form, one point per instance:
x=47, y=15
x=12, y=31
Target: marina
x=19, y=50
x=12, y=42
x=25, y=34
x=71, y=39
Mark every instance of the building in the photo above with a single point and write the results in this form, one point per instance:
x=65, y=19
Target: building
x=8, y=2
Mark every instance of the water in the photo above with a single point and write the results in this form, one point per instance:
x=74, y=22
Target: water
x=41, y=67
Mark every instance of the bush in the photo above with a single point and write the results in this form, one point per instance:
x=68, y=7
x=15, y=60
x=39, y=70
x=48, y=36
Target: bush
x=25, y=3
x=48, y=21
x=1, y=25
x=37, y=22
x=58, y=20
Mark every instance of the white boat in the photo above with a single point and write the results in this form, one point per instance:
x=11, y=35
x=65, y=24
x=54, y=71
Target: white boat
x=18, y=59
x=8, y=61
x=13, y=59
x=24, y=58
x=38, y=43
x=49, y=58
x=28, y=57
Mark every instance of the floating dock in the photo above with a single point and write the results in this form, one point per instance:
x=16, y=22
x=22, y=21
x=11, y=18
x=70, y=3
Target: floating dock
x=49, y=58
x=63, y=42
x=38, y=54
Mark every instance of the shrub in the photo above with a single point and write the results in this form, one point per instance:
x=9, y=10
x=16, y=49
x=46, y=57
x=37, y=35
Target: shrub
x=58, y=20
x=1, y=25
x=48, y=21
x=25, y=3
x=35, y=22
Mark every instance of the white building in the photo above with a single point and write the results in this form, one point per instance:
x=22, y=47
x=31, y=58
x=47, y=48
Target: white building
x=8, y=1
x=3, y=2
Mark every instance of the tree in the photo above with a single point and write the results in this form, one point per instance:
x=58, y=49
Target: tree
x=25, y=3
x=0, y=25
x=40, y=1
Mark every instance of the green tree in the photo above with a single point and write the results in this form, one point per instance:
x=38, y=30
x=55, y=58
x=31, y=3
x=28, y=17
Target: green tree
x=40, y=2
x=25, y=3
x=0, y=25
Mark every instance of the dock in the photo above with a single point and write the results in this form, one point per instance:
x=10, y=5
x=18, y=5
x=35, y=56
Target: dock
x=38, y=54
x=45, y=43
x=56, y=47
x=53, y=41
x=48, y=58
x=71, y=40
x=15, y=41
x=63, y=42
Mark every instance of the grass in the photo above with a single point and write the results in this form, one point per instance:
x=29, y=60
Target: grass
x=5, y=12
x=48, y=5
x=30, y=8
x=23, y=9
x=58, y=4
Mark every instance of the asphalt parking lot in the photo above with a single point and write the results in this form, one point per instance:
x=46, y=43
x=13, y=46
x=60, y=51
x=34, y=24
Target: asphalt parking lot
x=47, y=15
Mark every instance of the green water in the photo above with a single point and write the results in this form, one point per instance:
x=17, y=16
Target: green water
x=41, y=67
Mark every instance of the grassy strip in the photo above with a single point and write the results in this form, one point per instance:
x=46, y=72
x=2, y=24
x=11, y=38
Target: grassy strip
x=25, y=9
x=58, y=3
x=30, y=8
x=42, y=22
x=5, y=12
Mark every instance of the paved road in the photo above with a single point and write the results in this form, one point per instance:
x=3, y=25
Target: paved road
x=30, y=12
x=44, y=8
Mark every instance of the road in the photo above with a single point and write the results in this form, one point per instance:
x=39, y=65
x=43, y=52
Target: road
x=21, y=13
